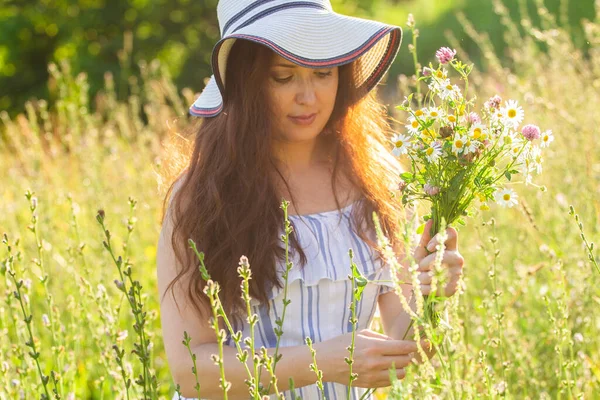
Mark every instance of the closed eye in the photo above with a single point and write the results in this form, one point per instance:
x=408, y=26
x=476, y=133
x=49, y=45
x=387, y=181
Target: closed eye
x=319, y=74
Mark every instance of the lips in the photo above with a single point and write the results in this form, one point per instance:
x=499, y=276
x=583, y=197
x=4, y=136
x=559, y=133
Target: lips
x=305, y=116
x=305, y=120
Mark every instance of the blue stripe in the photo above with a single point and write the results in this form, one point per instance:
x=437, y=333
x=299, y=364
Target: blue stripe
x=245, y=11
x=324, y=247
x=272, y=10
x=360, y=244
x=326, y=390
x=268, y=327
x=259, y=325
x=319, y=314
x=310, y=309
x=302, y=310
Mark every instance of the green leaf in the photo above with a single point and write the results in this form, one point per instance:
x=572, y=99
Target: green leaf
x=407, y=176
x=421, y=229
x=508, y=175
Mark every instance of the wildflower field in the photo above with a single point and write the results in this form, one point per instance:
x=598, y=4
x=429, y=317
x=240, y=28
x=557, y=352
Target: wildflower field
x=80, y=215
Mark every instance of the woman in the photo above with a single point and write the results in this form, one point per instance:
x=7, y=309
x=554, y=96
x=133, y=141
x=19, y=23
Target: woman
x=290, y=114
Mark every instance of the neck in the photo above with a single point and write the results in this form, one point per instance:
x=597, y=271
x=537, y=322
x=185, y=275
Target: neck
x=298, y=156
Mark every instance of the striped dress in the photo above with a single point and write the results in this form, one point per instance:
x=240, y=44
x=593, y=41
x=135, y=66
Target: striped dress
x=321, y=293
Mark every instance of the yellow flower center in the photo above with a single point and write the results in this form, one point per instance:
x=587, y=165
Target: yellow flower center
x=468, y=143
x=459, y=144
x=546, y=138
x=483, y=136
x=506, y=197
x=451, y=118
x=476, y=133
x=449, y=87
x=434, y=114
x=512, y=113
x=429, y=151
x=439, y=74
x=399, y=143
x=418, y=113
x=415, y=124
x=515, y=150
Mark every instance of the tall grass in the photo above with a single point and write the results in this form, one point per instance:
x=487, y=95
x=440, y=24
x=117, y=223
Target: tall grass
x=80, y=304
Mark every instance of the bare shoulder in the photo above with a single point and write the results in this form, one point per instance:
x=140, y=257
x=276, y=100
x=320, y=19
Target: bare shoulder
x=177, y=314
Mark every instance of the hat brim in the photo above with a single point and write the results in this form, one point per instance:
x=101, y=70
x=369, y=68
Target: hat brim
x=317, y=39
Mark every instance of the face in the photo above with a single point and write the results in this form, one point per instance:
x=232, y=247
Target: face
x=303, y=98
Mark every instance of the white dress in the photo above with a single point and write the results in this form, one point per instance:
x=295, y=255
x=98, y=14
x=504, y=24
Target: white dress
x=320, y=293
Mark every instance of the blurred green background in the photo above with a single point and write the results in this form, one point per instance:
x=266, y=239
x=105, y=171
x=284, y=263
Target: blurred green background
x=97, y=36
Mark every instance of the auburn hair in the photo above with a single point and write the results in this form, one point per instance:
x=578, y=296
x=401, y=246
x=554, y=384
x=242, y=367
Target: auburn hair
x=225, y=198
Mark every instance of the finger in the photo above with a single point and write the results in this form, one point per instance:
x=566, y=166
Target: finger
x=450, y=259
x=397, y=347
x=398, y=361
x=373, y=334
x=425, y=278
x=420, y=251
x=451, y=240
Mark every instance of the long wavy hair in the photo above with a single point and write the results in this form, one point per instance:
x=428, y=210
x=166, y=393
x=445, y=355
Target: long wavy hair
x=226, y=199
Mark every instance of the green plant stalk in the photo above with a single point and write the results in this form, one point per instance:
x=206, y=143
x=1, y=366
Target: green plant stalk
x=314, y=366
x=353, y=320
x=288, y=265
x=186, y=343
x=34, y=228
x=236, y=338
x=416, y=62
x=211, y=289
x=252, y=320
x=499, y=314
x=588, y=246
x=142, y=351
x=17, y=294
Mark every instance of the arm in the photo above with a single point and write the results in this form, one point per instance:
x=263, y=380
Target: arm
x=395, y=320
x=174, y=321
x=293, y=364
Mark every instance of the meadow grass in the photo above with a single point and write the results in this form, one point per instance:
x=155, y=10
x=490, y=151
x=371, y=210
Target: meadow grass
x=80, y=218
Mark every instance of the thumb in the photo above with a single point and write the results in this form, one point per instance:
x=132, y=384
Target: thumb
x=421, y=251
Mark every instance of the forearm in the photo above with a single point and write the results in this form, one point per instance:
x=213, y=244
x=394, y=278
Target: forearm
x=400, y=326
x=294, y=363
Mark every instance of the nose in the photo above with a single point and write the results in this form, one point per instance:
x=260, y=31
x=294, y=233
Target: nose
x=306, y=92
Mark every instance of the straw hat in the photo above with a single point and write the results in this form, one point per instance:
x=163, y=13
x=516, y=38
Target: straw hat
x=308, y=33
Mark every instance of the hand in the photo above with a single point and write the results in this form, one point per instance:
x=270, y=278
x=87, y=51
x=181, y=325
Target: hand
x=452, y=259
x=374, y=354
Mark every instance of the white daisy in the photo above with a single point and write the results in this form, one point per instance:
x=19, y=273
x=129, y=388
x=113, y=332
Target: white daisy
x=401, y=144
x=518, y=151
x=435, y=113
x=450, y=91
x=413, y=125
x=433, y=152
x=458, y=144
x=513, y=114
x=437, y=84
x=536, y=158
x=422, y=113
x=451, y=119
x=547, y=138
x=506, y=197
x=470, y=145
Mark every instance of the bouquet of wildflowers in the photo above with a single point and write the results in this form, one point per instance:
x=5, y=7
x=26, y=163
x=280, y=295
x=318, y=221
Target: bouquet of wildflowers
x=462, y=158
